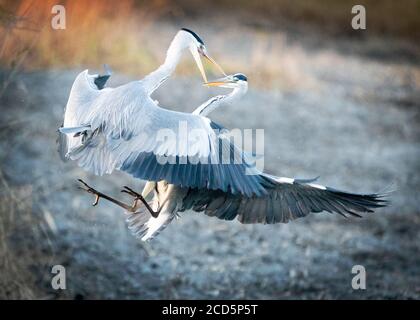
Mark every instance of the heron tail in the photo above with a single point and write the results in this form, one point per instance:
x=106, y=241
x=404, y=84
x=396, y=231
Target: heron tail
x=143, y=226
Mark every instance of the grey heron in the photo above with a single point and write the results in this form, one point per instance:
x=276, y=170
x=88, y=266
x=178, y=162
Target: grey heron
x=283, y=199
x=92, y=109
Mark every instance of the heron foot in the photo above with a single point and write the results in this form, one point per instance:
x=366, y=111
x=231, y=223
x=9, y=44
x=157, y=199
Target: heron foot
x=91, y=190
x=98, y=195
x=131, y=192
x=138, y=196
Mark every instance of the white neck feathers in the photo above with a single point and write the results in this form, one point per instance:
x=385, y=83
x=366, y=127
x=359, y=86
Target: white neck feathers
x=215, y=102
x=152, y=81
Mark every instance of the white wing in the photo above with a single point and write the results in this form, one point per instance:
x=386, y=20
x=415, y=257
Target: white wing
x=128, y=131
x=85, y=90
x=82, y=95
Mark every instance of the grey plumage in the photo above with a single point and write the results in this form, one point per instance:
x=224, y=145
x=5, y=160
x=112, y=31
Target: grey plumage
x=282, y=203
x=202, y=173
x=285, y=200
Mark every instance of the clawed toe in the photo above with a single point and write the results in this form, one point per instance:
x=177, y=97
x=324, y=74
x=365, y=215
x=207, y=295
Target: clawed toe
x=96, y=200
x=99, y=195
x=131, y=192
x=89, y=189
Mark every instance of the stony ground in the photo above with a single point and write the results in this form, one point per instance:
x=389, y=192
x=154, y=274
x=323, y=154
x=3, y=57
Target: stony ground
x=349, y=118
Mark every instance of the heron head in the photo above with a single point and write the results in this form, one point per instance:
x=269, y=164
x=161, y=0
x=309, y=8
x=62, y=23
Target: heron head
x=198, y=50
x=233, y=81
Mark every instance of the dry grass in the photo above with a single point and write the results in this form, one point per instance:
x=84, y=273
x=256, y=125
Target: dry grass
x=27, y=231
x=16, y=281
x=26, y=227
x=94, y=29
x=101, y=31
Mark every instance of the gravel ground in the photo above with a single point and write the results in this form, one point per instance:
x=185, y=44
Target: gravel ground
x=353, y=121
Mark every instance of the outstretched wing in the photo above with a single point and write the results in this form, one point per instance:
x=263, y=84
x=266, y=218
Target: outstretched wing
x=129, y=132
x=289, y=199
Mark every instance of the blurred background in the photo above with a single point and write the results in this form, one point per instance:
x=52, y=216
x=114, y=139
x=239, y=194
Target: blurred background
x=333, y=101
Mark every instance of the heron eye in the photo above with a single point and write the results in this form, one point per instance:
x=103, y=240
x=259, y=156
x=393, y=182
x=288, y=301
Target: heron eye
x=201, y=49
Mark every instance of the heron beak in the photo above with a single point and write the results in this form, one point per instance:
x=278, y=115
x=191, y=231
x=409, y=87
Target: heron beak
x=214, y=63
x=219, y=82
x=200, y=67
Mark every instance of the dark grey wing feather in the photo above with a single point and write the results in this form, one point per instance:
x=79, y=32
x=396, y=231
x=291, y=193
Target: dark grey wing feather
x=101, y=80
x=229, y=177
x=282, y=203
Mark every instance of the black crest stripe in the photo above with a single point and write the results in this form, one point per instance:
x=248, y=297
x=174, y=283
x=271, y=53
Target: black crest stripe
x=194, y=35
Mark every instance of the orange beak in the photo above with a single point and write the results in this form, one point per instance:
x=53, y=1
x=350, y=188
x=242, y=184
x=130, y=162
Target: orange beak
x=215, y=63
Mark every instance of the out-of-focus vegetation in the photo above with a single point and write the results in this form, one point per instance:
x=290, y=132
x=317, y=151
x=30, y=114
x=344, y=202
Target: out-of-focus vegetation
x=94, y=29
x=101, y=31
x=384, y=17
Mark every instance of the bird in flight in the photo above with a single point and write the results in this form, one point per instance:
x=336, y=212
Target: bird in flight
x=120, y=128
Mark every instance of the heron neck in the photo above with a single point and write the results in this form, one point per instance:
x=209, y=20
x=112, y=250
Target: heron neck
x=215, y=102
x=173, y=55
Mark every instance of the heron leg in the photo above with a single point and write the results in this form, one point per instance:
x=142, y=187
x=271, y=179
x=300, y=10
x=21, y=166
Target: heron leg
x=98, y=195
x=138, y=196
